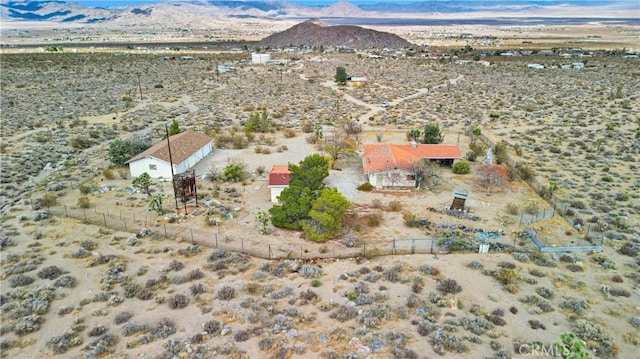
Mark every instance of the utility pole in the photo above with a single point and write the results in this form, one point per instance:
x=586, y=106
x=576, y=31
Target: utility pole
x=175, y=196
x=139, y=86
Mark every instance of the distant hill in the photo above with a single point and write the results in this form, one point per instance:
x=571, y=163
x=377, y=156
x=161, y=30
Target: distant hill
x=184, y=11
x=316, y=33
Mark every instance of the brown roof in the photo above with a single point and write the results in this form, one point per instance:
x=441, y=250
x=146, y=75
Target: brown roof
x=379, y=157
x=183, y=145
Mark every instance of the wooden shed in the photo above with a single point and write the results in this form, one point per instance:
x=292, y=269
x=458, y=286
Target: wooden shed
x=459, y=199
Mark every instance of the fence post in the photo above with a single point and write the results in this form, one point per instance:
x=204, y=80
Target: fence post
x=269, y=251
x=165, y=230
x=413, y=246
x=432, y=245
x=393, y=249
x=65, y=211
x=121, y=215
x=107, y=210
x=191, y=230
x=105, y=220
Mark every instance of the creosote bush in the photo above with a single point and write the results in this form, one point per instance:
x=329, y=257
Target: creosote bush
x=226, y=293
x=449, y=285
x=178, y=301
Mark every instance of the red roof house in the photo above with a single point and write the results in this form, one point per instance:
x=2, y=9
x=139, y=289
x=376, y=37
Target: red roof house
x=278, y=180
x=389, y=165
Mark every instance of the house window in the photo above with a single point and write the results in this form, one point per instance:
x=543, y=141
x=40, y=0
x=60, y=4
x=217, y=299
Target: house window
x=153, y=167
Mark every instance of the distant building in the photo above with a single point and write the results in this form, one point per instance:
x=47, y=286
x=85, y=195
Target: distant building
x=187, y=149
x=278, y=181
x=577, y=65
x=260, y=59
x=535, y=66
x=356, y=81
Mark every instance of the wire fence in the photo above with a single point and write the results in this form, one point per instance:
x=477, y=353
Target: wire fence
x=556, y=205
x=214, y=237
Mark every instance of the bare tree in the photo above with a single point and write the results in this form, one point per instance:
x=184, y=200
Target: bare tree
x=492, y=176
x=423, y=170
x=393, y=177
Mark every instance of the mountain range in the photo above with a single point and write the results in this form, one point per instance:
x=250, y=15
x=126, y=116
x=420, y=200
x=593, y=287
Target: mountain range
x=159, y=11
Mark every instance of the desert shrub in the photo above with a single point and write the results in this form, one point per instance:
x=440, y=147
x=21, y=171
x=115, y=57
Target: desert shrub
x=575, y=305
x=144, y=294
x=61, y=344
x=443, y=342
x=226, y=293
x=344, y=313
x=289, y=133
x=535, y=324
x=20, y=280
x=122, y=317
x=475, y=265
x=461, y=167
x=212, y=327
x=195, y=275
x=83, y=202
x=241, y=336
x=196, y=289
x=537, y=273
x=496, y=320
x=449, y=285
x=308, y=295
x=316, y=283
x=616, y=278
x=365, y=187
x=65, y=281
x=395, y=206
x=507, y=265
x=630, y=249
x=97, y=331
x=50, y=272
x=544, y=292
x=512, y=209
x=107, y=173
x=175, y=265
x=178, y=301
x=575, y=267
x=87, y=187
x=374, y=219
x=265, y=344
x=619, y=292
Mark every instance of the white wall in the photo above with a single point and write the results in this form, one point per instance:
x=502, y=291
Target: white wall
x=275, y=192
x=138, y=167
x=383, y=179
x=260, y=58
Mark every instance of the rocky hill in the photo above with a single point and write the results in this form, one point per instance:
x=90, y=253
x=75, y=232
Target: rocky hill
x=316, y=33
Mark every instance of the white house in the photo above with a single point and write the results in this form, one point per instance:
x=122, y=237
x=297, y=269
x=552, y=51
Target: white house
x=389, y=165
x=278, y=181
x=260, y=59
x=187, y=149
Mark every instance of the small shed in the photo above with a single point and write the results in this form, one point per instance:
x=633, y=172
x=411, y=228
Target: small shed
x=459, y=199
x=278, y=181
